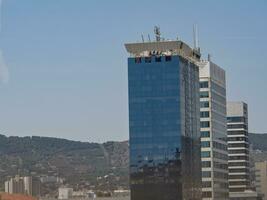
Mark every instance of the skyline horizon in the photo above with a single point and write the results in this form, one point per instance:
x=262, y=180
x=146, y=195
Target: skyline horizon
x=84, y=141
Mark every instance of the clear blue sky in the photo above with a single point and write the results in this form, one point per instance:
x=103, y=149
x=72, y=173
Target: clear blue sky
x=68, y=66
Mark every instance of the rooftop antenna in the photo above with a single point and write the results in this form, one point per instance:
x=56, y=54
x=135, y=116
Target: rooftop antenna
x=149, y=38
x=195, y=32
x=143, y=40
x=157, y=33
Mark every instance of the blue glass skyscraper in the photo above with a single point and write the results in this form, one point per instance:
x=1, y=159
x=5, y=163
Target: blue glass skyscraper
x=163, y=80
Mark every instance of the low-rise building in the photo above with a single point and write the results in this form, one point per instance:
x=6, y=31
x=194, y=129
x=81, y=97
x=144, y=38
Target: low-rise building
x=65, y=193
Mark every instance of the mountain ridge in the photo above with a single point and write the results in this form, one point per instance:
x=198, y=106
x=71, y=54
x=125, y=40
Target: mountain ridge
x=89, y=165
x=74, y=161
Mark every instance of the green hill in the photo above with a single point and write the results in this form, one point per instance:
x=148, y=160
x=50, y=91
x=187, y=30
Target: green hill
x=83, y=164
x=258, y=141
x=76, y=162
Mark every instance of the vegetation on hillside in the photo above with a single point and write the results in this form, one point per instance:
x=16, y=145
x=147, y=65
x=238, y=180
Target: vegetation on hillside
x=80, y=164
x=76, y=162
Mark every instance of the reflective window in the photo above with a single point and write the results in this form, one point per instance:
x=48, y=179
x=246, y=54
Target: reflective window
x=238, y=157
x=204, y=84
x=205, y=144
x=204, y=104
x=206, y=194
x=223, y=175
x=236, y=189
x=238, y=145
x=219, y=155
x=243, y=132
x=235, y=119
x=204, y=114
x=204, y=94
x=158, y=58
x=230, y=126
x=235, y=164
x=206, y=164
x=168, y=58
x=205, y=134
x=148, y=59
x=138, y=60
x=238, y=176
x=205, y=154
x=205, y=124
x=237, y=151
x=206, y=174
x=219, y=165
x=206, y=184
x=238, y=170
x=238, y=139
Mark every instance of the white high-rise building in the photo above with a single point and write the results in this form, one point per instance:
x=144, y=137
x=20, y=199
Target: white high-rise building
x=214, y=155
x=238, y=147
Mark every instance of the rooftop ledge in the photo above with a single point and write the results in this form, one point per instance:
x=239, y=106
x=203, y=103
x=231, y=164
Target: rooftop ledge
x=162, y=48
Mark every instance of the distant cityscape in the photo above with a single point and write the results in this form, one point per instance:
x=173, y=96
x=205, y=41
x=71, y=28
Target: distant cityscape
x=187, y=141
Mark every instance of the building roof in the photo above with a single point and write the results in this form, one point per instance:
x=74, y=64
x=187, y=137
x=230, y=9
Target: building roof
x=208, y=69
x=236, y=108
x=162, y=47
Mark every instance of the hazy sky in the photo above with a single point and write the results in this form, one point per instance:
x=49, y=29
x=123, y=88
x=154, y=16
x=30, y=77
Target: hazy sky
x=68, y=66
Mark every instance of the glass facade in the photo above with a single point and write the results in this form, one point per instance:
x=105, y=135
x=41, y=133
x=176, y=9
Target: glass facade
x=164, y=128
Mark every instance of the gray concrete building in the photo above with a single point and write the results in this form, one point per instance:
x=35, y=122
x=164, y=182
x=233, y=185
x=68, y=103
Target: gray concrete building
x=238, y=148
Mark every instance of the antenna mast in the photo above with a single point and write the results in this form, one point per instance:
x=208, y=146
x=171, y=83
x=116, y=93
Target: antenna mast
x=143, y=40
x=149, y=38
x=157, y=33
x=195, y=33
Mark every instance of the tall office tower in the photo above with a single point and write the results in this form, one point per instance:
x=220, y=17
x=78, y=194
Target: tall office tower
x=214, y=154
x=163, y=82
x=261, y=178
x=238, y=147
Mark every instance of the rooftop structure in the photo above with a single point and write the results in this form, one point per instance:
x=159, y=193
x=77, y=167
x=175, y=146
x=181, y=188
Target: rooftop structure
x=176, y=47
